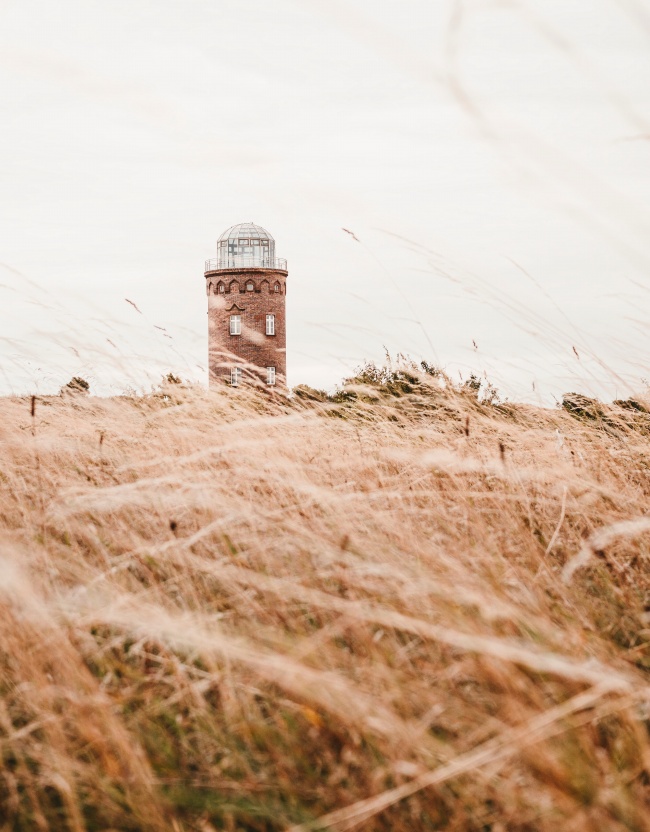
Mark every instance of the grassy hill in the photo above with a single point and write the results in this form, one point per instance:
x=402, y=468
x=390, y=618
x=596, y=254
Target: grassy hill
x=400, y=608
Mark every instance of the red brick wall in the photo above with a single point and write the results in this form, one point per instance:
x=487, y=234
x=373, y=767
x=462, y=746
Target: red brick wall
x=253, y=350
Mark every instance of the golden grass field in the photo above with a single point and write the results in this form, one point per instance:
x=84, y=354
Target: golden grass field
x=398, y=609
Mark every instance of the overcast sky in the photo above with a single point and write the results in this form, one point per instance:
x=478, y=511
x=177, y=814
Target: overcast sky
x=493, y=159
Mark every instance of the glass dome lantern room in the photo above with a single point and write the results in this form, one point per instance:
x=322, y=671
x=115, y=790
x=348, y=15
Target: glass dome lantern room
x=246, y=246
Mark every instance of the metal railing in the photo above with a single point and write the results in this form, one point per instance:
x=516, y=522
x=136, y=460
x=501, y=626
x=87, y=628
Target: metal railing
x=245, y=263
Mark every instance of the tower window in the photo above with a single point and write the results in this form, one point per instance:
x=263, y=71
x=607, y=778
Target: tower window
x=243, y=242
x=270, y=375
x=249, y=287
x=223, y=243
x=221, y=288
x=270, y=324
x=264, y=242
x=277, y=287
x=255, y=242
x=235, y=324
x=235, y=376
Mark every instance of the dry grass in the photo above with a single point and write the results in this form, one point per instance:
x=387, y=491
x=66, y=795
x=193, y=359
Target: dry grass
x=402, y=611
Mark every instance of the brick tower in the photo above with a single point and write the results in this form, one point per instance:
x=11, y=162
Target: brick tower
x=247, y=287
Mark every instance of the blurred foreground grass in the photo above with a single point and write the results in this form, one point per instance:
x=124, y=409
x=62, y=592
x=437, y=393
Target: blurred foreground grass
x=399, y=608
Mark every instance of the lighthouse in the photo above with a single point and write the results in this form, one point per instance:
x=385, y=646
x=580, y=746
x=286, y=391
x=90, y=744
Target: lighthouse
x=246, y=286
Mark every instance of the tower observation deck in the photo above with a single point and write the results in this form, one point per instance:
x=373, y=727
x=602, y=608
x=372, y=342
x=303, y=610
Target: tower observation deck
x=245, y=246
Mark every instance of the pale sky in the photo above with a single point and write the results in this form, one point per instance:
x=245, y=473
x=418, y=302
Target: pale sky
x=493, y=158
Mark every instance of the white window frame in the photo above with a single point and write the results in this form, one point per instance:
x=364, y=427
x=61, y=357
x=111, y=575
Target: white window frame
x=235, y=324
x=235, y=376
x=270, y=324
x=270, y=376
x=250, y=286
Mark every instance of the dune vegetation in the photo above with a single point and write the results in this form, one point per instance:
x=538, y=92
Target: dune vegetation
x=405, y=606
